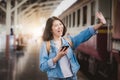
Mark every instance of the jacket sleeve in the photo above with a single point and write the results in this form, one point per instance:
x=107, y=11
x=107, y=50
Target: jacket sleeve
x=45, y=63
x=82, y=36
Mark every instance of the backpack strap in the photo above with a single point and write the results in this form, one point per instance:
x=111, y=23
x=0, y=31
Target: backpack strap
x=48, y=46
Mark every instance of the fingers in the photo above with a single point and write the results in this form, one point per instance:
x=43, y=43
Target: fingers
x=97, y=15
x=63, y=52
x=100, y=16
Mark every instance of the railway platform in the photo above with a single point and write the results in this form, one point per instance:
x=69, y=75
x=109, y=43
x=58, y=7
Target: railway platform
x=24, y=67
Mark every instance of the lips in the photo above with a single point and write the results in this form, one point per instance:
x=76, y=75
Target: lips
x=59, y=31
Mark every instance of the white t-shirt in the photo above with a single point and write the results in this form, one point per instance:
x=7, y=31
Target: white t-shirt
x=65, y=67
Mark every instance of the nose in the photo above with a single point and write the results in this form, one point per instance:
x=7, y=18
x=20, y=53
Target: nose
x=59, y=26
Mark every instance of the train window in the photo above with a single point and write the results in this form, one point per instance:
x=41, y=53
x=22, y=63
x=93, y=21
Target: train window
x=66, y=21
x=0, y=17
x=92, y=13
x=84, y=15
x=69, y=20
x=63, y=20
x=78, y=17
x=73, y=19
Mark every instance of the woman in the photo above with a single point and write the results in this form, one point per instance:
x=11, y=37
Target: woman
x=62, y=64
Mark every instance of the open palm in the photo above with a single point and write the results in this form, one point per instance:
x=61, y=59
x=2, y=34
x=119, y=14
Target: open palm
x=100, y=16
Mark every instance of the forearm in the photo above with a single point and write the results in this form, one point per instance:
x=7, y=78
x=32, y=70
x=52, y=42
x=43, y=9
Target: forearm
x=82, y=36
x=97, y=26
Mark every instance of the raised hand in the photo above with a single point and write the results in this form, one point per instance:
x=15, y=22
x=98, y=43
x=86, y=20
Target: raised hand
x=100, y=16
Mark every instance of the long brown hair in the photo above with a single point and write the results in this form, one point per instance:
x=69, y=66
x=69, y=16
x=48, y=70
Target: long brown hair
x=47, y=34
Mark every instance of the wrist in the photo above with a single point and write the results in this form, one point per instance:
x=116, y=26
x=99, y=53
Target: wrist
x=55, y=59
x=101, y=23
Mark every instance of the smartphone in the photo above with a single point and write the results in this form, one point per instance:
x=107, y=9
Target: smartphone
x=64, y=47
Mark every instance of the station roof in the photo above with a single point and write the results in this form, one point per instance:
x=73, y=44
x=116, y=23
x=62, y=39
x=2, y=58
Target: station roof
x=29, y=11
x=28, y=7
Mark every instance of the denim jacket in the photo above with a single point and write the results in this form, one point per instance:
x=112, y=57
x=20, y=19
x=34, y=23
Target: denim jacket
x=54, y=70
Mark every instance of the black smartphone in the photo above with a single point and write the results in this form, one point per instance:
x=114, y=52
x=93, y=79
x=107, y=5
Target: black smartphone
x=64, y=47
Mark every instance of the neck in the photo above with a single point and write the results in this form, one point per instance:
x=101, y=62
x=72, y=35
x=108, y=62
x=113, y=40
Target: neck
x=57, y=41
x=57, y=38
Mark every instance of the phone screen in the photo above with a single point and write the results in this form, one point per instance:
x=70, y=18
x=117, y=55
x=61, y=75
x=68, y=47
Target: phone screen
x=64, y=47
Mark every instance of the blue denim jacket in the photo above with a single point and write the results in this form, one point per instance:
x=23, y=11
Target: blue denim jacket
x=53, y=70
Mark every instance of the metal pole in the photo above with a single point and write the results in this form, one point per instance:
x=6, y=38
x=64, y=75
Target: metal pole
x=8, y=16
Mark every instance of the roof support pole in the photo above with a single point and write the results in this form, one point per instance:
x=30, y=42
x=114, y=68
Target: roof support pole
x=8, y=16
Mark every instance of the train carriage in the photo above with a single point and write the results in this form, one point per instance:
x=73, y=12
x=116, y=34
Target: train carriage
x=100, y=55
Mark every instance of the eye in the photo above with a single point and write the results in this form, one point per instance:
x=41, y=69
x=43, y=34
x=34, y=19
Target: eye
x=56, y=25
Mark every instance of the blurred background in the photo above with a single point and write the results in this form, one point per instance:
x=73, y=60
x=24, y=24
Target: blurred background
x=22, y=23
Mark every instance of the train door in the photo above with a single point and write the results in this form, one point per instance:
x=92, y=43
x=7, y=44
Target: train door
x=104, y=43
x=116, y=36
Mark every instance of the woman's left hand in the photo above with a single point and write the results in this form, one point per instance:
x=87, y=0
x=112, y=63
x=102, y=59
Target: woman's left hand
x=100, y=16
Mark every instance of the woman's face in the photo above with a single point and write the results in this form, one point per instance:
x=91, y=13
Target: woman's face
x=57, y=28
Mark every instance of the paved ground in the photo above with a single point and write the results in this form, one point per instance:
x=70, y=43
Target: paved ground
x=24, y=67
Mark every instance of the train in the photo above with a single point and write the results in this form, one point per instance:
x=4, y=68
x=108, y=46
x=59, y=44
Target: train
x=99, y=57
